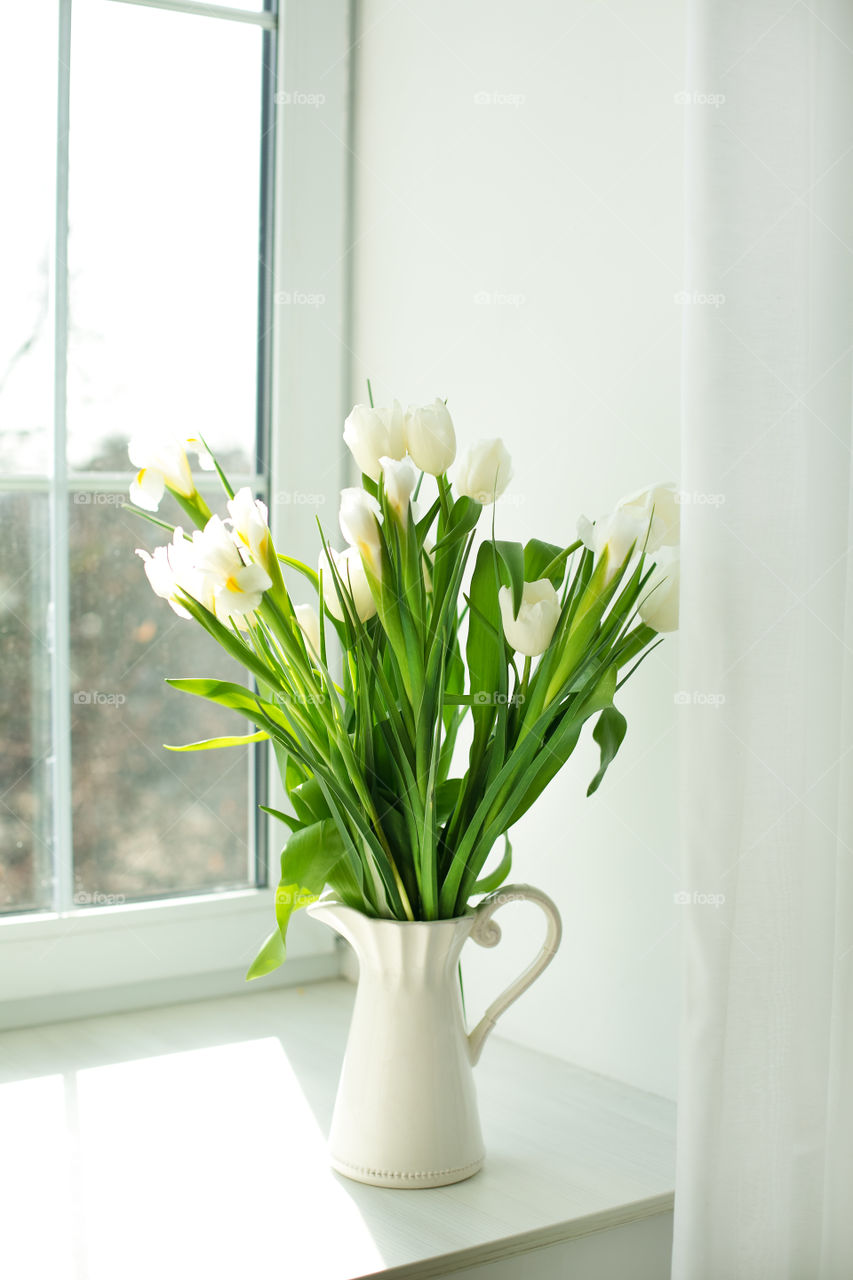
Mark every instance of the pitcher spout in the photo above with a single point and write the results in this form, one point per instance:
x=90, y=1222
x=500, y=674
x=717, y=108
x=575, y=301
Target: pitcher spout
x=344, y=920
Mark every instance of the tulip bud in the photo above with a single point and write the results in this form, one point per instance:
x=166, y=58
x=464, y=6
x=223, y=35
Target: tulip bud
x=430, y=437
x=161, y=462
x=359, y=517
x=616, y=534
x=309, y=624
x=371, y=434
x=351, y=570
x=399, y=479
x=483, y=471
x=659, y=606
x=530, y=633
x=646, y=520
x=657, y=513
x=250, y=526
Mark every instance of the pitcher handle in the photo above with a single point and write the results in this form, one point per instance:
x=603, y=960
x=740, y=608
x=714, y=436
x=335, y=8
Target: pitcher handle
x=487, y=933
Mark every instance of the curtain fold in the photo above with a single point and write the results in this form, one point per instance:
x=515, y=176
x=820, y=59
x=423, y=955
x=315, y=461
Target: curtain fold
x=765, y=1147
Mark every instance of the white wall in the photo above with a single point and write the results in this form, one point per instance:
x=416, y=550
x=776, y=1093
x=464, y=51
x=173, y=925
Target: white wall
x=517, y=180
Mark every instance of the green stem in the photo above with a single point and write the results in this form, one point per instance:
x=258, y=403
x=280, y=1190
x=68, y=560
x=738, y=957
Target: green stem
x=194, y=506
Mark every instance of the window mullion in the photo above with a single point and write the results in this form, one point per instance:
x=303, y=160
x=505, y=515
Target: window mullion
x=63, y=871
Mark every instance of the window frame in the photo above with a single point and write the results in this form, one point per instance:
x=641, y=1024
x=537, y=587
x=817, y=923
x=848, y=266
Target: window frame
x=168, y=948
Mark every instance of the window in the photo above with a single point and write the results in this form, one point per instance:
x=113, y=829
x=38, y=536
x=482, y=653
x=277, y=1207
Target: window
x=136, y=261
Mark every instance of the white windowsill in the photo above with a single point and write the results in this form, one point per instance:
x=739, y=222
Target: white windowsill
x=108, y=958
x=190, y=1140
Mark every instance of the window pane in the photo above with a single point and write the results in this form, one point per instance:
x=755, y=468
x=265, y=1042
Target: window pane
x=164, y=209
x=25, y=834
x=28, y=63
x=146, y=821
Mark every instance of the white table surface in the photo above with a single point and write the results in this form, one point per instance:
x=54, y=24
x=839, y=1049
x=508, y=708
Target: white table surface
x=189, y=1141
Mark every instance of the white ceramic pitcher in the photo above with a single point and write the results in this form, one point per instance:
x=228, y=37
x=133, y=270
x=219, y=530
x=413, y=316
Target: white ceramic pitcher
x=406, y=1110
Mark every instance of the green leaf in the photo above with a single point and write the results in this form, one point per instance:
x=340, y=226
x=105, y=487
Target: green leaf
x=495, y=878
x=307, y=865
x=511, y=557
x=311, y=574
x=309, y=802
x=583, y=625
x=310, y=854
x=446, y=795
x=289, y=897
x=271, y=955
x=485, y=648
x=213, y=744
x=195, y=507
x=223, y=692
x=288, y=819
x=146, y=515
x=597, y=695
x=464, y=515
x=228, y=639
x=226, y=483
x=557, y=749
x=546, y=560
x=425, y=523
x=608, y=733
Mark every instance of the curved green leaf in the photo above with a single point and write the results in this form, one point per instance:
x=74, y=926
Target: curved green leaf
x=307, y=572
x=309, y=862
x=223, y=692
x=511, y=561
x=271, y=955
x=495, y=878
x=214, y=744
x=463, y=517
x=546, y=560
x=485, y=648
x=288, y=819
x=609, y=732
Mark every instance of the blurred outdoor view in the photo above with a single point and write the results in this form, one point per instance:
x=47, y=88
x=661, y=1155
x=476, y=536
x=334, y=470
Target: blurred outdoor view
x=161, y=333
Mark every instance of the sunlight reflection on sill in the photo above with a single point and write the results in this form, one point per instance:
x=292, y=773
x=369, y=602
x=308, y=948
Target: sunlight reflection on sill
x=206, y=1162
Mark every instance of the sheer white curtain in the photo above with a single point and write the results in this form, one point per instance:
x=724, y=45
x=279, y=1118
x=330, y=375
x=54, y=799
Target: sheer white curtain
x=765, y=1158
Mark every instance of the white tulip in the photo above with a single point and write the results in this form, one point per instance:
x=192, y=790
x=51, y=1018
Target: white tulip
x=238, y=588
x=159, y=573
x=309, y=624
x=530, y=633
x=430, y=437
x=616, y=534
x=187, y=575
x=646, y=520
x=172, y=569
x=371, y=434
x=359, y=519
x=400, y=478
x=161, y=462
x=483, y=471
x=656, y=511
x=659, y=606
x=205, y=459
x=250, y=526
x=351, y=570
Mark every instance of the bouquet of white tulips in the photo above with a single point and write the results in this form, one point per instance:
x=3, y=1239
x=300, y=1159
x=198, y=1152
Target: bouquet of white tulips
x=423, y=620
